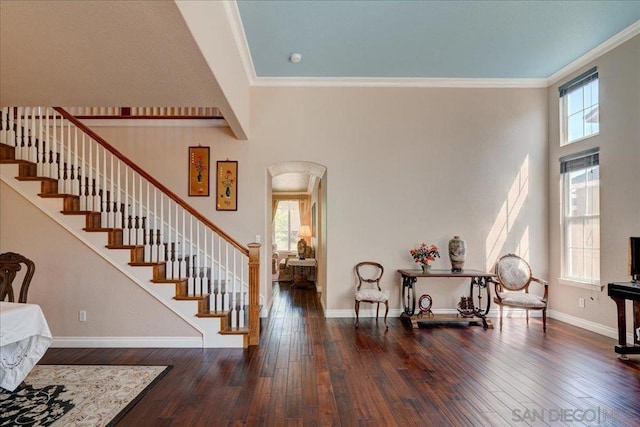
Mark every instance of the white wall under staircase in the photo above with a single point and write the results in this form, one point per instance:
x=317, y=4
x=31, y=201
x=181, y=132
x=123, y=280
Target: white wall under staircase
x=129, y=310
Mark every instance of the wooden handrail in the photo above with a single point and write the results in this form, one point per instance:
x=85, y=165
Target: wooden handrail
x=152, y=180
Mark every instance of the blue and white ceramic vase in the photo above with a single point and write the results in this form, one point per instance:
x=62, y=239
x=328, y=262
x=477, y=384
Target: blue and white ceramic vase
x=457, y=254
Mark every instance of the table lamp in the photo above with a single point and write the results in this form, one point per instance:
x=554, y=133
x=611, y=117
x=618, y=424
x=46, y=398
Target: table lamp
x=303, y=232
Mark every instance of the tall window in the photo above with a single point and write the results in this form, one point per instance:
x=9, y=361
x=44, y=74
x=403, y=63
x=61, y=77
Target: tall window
x=581, y=216
x=579, y=107
x=286, y=224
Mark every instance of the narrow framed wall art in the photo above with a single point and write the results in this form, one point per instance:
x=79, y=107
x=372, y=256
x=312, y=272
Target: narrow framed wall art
x=199, y=171
x=227, y=185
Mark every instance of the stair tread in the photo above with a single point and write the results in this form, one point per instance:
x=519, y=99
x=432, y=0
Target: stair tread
x=212, y=313
x=145, y=264
x=190, y=297
x=91, y=230
x=79, y=212
x=16, y=161
x=169, y=280
x=56, y=195
x=120, y=246
x=35, y=178
x=234, y=331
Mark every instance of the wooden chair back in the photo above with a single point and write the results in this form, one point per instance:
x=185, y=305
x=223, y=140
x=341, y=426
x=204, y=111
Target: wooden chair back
x=369, y=272
x=10, y=264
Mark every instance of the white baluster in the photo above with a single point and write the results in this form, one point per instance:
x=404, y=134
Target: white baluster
x=117, y=209
x=54, y=167
x=40, y=149
x=67, y=181
x=242, y=296
x=46, y=166
x=126, y=237
x=83, y=189
x=234, y=308
x=4, y=131
x=103, y=200
x=170, y=243
x=11, y=126
x=219, y=295
x=91, y=199
x=226, y=299
x=161, y=237
x=61, y=169
x=75, y=169
x=147, y=244
x=19, y=135
x=33, y=149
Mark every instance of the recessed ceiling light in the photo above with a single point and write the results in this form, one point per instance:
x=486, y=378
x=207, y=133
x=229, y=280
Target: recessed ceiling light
x=295, y=58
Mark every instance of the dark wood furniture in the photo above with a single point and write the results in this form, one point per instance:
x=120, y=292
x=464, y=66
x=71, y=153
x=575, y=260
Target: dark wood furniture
x=512, y=288
x=619, y=293
x=369, y=273
x=478, y=283
x=10, y=264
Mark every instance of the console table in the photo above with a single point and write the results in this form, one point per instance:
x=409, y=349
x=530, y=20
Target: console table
x=479, y=284
x=619, y=293
x=301, y=280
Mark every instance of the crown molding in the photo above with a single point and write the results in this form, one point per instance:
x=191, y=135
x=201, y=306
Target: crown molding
x=408, y=82
x=239, y=35
x=623, y=36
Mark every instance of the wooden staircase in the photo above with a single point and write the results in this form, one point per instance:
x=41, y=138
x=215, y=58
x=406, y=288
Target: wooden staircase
x=219, y=298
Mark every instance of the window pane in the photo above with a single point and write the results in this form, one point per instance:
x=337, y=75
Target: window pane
x=576, y=126
x=577, y=193
x=581, y=223
x=593, y=191
x=591, y=119
x=575, y=101
x=580, y=113
x=286, y=224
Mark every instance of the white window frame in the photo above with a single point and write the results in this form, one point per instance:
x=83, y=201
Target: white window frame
x=565, y=91
x=579, y=161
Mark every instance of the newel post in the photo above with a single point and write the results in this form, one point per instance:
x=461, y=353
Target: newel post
x=254, y=293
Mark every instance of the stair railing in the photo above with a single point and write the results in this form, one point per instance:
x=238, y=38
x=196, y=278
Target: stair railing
x=147, y=213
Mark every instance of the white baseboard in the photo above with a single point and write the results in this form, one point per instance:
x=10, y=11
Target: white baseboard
x=127, y=342
x=588, y=325
x=396, y=312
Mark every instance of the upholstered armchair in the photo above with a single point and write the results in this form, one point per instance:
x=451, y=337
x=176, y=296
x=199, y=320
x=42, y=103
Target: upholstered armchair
x=512, y=287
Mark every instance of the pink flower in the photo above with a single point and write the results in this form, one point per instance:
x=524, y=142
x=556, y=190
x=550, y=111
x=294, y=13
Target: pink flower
x=424, y=254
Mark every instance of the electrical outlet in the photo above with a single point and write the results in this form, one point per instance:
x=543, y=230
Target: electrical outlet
x=82, y=315
x=581, y=302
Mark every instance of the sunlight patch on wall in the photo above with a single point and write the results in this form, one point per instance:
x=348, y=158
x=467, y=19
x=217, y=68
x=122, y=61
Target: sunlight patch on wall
x=507, y=216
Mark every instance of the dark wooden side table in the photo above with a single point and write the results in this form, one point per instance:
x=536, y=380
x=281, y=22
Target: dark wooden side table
x=479, y=286
x=619, y=293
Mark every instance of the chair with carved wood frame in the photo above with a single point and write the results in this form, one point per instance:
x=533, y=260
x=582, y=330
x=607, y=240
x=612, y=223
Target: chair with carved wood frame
x=10, y=264
x=369, y=273
x=512, y=288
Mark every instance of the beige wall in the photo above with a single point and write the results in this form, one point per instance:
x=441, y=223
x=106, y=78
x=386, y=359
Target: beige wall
x=69, y=277
x=403, y=166
x=619, y=142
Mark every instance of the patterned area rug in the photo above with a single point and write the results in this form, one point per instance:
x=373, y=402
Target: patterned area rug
x=78, y=395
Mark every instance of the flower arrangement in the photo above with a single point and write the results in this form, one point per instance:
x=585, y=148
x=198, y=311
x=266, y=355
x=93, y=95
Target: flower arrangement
x=424, y=253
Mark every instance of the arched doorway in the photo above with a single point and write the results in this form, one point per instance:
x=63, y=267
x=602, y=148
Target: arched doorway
x=299, y=180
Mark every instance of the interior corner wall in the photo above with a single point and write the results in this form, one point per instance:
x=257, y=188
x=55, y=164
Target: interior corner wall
x=70, y=277
x=619, y=143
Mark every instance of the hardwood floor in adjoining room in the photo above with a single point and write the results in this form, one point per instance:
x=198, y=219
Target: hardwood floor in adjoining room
x=312, y=371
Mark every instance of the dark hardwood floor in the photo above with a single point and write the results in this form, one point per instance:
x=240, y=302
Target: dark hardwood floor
x=312, y=371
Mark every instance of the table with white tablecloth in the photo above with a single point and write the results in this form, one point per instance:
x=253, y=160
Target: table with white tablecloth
x=24, y=338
